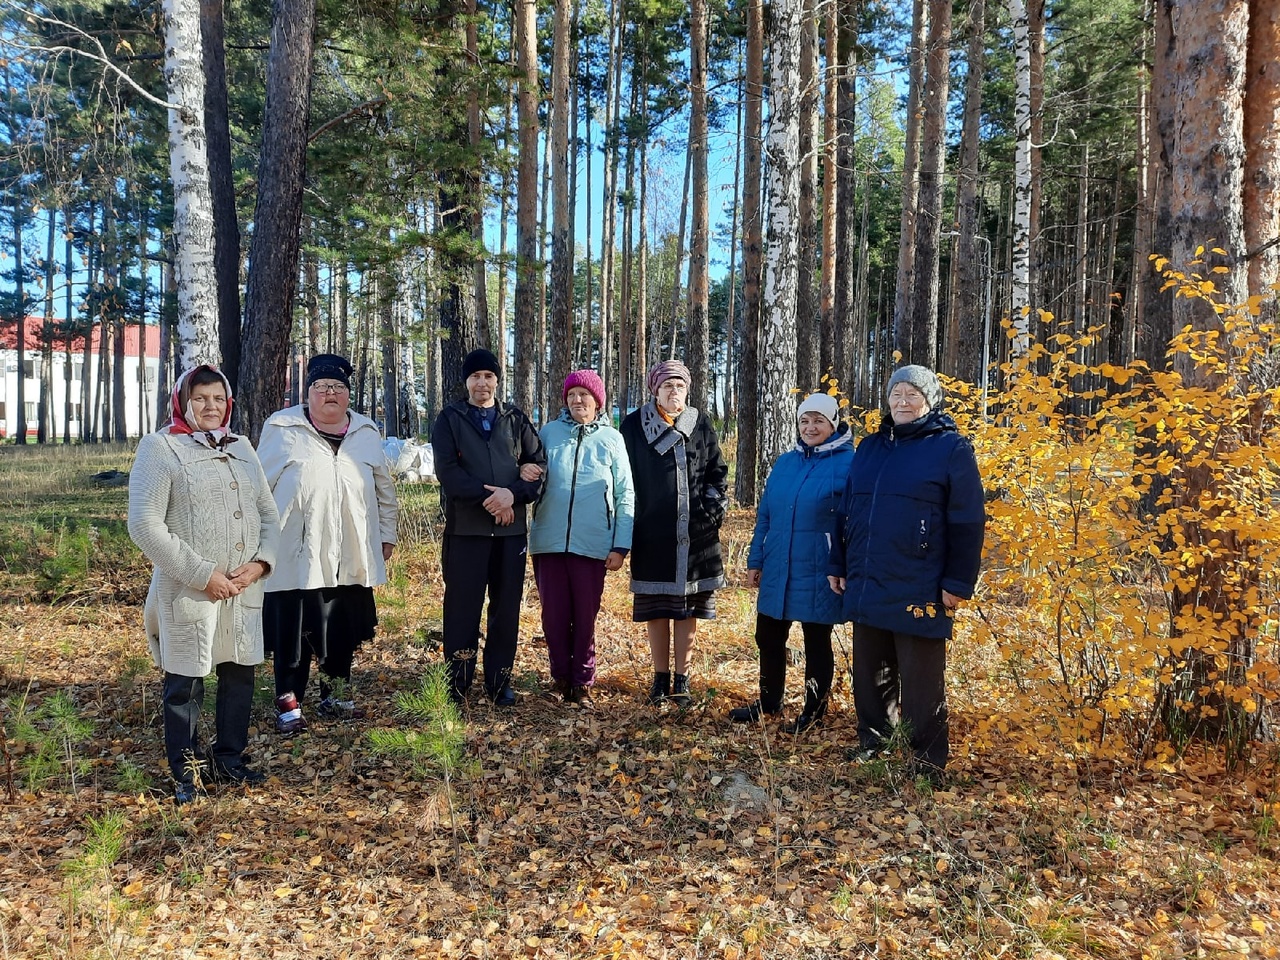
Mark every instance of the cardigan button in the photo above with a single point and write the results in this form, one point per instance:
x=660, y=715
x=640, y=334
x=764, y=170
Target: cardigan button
x=237, y=515
x=234, y=485
x=239, y=546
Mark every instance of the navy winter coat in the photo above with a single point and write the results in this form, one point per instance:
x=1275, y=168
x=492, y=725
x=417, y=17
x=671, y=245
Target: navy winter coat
x=795, y=528
x=912, y=523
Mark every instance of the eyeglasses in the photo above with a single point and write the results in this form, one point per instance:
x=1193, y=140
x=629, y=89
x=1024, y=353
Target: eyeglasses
x=329, y=388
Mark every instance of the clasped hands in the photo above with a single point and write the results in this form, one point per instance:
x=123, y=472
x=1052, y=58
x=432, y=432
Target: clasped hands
x=224, y=586
x=501, y=502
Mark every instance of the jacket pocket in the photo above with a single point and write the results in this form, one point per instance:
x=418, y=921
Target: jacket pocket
x=608, y=509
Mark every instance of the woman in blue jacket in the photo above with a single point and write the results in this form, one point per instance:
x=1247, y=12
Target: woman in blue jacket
x=581, y=529
x=795, y=528
x=908, y=553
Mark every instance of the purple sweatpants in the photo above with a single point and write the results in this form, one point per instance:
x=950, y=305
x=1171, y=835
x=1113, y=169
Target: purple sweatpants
x=570, y=587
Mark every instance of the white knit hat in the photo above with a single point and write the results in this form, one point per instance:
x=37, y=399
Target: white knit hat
x=822, y=403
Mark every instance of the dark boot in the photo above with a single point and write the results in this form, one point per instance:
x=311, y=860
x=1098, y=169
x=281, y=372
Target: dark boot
x=661, y=688
x=680, y=691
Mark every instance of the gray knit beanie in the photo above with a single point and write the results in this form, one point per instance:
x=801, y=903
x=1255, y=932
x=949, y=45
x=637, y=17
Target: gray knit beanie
x=923, y=379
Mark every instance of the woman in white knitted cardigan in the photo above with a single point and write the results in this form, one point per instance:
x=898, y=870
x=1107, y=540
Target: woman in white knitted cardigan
x=201, y=511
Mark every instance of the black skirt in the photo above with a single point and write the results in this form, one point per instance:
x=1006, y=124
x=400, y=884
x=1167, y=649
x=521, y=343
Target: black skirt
x=335, y=620
x=660, y=606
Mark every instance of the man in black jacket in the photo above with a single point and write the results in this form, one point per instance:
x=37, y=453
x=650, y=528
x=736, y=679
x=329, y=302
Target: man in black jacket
x=490, y=463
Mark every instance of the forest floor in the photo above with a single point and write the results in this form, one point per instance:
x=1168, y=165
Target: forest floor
x=624, y=831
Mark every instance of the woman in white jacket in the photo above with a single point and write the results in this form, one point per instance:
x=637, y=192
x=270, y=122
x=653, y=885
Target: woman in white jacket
x=202, y=513
x=338, y=513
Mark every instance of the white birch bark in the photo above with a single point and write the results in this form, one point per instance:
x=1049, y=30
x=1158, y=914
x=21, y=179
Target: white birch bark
x=197, y=289
x=1021, y=295
x=781, y=269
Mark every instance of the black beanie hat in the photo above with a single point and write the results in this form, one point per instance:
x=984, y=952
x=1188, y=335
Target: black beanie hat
x=329, y=366
x=481, y=359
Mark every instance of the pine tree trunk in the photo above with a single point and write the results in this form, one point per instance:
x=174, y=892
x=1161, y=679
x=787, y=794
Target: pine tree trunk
x=830, y=178
x=748, y=387
x=562, y=230
x=226, y=226
x=526, y=312
x=848, y=341
x=46, y=432
x=923, y=343
x=192, y=197
x=971, y=306
x=273, y=251
x=698, y=350
x=807, y=311
x=904, y=311
x=1262, y=152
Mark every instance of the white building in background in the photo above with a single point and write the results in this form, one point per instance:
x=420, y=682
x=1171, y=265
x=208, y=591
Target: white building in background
x=138, y=420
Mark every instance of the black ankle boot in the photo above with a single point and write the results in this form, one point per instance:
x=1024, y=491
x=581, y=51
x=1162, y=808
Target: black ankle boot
x=680, y=691
x=661, y=688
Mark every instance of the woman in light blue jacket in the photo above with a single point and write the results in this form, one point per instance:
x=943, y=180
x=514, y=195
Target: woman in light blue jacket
x=581, y=529
x=795, y=526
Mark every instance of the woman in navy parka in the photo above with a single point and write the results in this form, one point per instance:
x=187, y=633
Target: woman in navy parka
x=795, y=528
x=908, y=553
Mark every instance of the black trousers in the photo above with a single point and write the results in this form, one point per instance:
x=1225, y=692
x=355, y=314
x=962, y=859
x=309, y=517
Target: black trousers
x=819, y=663
x=473, y=565
x=901, y=677
x=183, y=698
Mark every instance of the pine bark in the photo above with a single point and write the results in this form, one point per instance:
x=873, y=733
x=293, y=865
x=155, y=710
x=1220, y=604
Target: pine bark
x=698, y=349
x=226, y=227
x=970, y=267
x=526, y=311
x=808, y=323
x=562, y=319
x=904, y=309
x=748, y=388
x=273, y=251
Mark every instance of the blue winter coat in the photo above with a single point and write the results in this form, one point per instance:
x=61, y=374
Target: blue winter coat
x=588, y=504
x=795, y=529
x=911, y=526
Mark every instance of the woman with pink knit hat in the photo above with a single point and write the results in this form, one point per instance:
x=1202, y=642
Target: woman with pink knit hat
x=581, y=529
x=680, y=477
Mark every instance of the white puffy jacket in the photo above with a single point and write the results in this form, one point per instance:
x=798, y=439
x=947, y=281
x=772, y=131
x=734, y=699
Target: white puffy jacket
x=336, y=509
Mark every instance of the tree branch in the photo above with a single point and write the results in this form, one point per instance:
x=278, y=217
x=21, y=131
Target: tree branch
x=99, y=57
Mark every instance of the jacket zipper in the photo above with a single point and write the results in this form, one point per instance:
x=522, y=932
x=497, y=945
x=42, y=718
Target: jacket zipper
x=573, y=489
x=875, y=495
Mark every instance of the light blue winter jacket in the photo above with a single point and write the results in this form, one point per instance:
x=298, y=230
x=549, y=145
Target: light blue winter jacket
x=795, y=525
x=588, y=503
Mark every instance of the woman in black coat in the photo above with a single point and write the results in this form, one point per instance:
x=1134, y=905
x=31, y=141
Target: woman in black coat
x=907, y=554
x=679, y=476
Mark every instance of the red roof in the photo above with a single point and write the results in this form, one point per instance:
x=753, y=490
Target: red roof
x=34, y=338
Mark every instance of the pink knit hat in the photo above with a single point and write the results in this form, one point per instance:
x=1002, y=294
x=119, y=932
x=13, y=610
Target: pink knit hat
x=588, y=380
x=665, y=370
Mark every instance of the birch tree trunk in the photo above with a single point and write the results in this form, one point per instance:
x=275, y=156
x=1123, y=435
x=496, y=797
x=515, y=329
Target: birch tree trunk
x=698, y=352
x=1020, y=305
x=273, y=251
x=192, y=196
x=778, y=329
x=526, y=312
